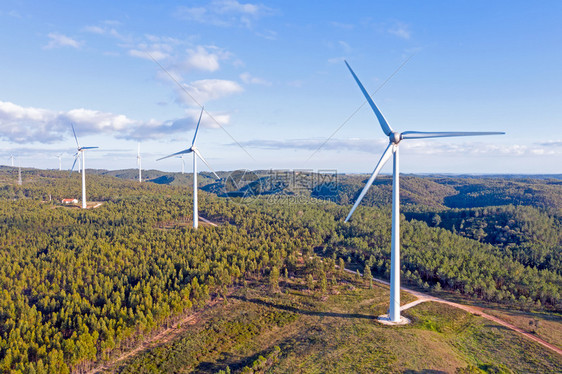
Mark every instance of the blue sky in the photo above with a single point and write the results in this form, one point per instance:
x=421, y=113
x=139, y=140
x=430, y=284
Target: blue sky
x=272, y=79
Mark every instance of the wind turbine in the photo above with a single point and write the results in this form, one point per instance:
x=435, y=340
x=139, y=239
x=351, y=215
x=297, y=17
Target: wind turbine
x=182, y=164
x=60, y=161
x=196, y=154
x=139, y=163
x=392, y=150
x=81, y=151
x=12, y=157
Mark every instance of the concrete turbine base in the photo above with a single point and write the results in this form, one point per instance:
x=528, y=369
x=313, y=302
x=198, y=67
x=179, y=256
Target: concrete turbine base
x=385, y=320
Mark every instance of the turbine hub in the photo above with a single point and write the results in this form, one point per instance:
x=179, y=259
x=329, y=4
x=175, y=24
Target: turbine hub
x=395, y=137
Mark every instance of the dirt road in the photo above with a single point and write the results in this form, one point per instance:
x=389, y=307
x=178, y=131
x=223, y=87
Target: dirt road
x=422, y=298
x=169, y=333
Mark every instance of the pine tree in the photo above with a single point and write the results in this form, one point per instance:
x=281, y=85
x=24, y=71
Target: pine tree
x=323, y=283
x=368, y=276
x=341, y=265
x=310, y=282
x=274, y=279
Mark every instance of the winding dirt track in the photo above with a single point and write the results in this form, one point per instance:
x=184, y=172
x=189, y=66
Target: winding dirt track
x=422, y=298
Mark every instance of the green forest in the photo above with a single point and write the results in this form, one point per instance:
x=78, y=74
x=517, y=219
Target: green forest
x=79, y=284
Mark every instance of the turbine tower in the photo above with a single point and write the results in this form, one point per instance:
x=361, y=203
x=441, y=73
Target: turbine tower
x=60, y=161
x=139, y=163
x=182, y=164
x=12, y=157
x=81, y=151
x=196, y=154
x=392, y=150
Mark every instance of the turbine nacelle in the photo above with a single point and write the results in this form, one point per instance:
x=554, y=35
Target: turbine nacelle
x=395, y=137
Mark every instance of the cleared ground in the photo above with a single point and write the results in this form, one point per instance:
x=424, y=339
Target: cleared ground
x=297, y=330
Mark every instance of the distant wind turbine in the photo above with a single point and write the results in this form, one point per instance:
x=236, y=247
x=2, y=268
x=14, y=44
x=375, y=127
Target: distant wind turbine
x=60, y=161
x=81, y=151
x=139, y=163
x=196, y=154
x=392, y=150
x=12, y=157
x=182, y=164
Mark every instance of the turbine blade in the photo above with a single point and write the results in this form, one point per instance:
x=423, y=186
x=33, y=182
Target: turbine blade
x=422, y=135
x=197, y=128
x=75, y=137
x=206, y=163
x=189, y=150
x=384, y=125
x=89, y=147
x=385, y=157
x=74, y=164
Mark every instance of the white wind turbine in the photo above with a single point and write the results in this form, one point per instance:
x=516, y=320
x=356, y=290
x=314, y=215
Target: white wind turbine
x=60, y=161
x=182, y=164
x=139, y=163
x=392, y=150
x=81, y=151
x=196, y=154
x=12, y=157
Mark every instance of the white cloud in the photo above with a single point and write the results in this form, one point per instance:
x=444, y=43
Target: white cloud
x=233, y=6
x=194, y=13
x=418, y=147
x=59, y=40
x=181, y=125
x=95, y=30
x=400, y=30
x=551, y=143
x=29, y=125
x=148, y=54
x=267, y=34
x=108, y=28
x=208, y=89
x=204, y=58
x=249, y=79
x=346, y=47
x=345, y=26
x=20, y=124
x=177, y=60
x=362, y=145
x=99, y=121
x=155, y=47
x=336, y=60
x=477, y=148
x=224, y=13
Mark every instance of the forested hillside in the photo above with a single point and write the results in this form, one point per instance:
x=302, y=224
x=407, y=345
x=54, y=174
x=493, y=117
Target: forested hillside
x=417, y=192
x=77, y=284
x=529, y=235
